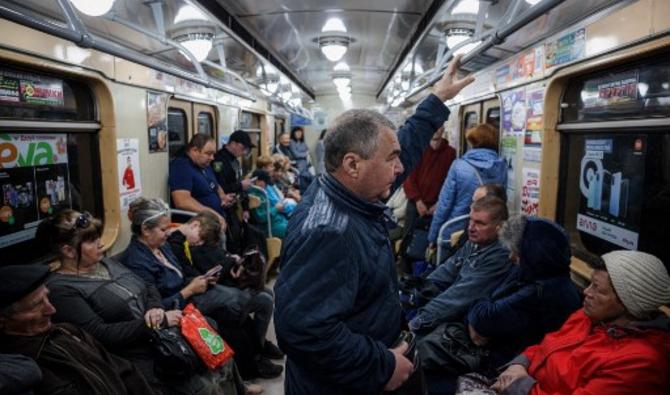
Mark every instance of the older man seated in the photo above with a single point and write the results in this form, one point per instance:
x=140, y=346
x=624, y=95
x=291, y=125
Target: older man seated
x=72, y=362
x=619, y=343
x=472, y=272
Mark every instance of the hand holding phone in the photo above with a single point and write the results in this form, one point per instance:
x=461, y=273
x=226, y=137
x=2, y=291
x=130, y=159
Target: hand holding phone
x=213, y=272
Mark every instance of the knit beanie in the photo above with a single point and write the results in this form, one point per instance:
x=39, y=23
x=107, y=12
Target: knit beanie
x=640, y=280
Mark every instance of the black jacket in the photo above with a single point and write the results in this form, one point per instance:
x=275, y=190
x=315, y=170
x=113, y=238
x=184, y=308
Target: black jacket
x=110, y=310
x=228, y=171
x=337, y=307
x=73, y=362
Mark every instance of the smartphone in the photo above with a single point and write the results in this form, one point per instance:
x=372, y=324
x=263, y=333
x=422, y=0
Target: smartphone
x=213, y=272
x=253, y=179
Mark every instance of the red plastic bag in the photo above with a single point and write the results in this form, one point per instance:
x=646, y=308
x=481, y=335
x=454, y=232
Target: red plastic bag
x=206, y=342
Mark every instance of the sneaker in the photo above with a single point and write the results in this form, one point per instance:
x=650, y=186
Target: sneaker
x=272, y=351
x=252, y=389
x=267, y=369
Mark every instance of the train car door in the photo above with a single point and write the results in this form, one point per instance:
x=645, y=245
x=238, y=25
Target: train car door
x=251, y=123
x=187, y=118
x=471, y=117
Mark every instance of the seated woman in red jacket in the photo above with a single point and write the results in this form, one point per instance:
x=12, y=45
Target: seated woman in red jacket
x=619, y=343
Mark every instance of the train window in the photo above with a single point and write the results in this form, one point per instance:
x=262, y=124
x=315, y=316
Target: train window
x=493, y=117
x=205, y=123
x=617, y=192
x=471, y=119
x=177, y=130
x=41, y=174
x=31, y=96
x=628, y=92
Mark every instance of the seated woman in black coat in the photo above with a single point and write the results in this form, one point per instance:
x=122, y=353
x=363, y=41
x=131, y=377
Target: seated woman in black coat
x=109, y=301
x=150, y=257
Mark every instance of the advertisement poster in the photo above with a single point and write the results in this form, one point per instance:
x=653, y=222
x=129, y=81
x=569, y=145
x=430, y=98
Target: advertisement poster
x=565, y=49
x=503, y=74
x=534, y=116
x=508, y=153
x=530, y=191
x=27, y=88
x=157, y=121
x=514, y=112
x=34, y=182
x=529, y=64
x=532, y=154
x=613, y=90
x=611, y=185
x=128, y=161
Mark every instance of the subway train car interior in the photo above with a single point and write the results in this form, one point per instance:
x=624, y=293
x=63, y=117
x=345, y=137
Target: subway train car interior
x=334, y=197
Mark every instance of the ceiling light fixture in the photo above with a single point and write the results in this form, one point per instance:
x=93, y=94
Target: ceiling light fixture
x=198, y=44
x=467, y=48
x=334, y=47
x=341, y=66
x=335, y=42
x=466, y=7
x=456, y=36
x=93, y=8
x=533, y=2
x=186, y=13
x=334, y=25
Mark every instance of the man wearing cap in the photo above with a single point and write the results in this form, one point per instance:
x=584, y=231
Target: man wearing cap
x=228, y=171
x=72, y=362
x=619, y=343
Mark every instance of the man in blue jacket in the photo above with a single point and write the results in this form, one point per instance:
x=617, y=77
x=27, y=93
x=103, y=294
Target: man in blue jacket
x=337, y=308
x=472, y=272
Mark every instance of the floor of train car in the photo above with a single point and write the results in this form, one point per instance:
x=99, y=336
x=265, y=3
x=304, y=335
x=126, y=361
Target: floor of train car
x=273, y=386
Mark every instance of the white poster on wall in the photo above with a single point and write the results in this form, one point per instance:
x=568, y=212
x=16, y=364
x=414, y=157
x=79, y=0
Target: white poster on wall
x=128, y=162
x=530, y=191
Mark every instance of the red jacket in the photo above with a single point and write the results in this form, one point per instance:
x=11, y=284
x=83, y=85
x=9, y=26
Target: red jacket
x=601, y=360
x=425, y=181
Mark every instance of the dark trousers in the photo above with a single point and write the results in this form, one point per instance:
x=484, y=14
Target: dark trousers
x=412, y=221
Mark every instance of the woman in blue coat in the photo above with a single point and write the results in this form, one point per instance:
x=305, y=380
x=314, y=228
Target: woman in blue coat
x=480, y=165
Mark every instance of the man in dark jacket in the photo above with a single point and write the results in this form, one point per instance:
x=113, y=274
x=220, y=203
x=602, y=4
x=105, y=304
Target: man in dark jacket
x=228, y=171
x=72, y=362
x=337, y=308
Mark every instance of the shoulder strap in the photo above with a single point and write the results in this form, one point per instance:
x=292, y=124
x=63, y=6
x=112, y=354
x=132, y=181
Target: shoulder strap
x=479, y=177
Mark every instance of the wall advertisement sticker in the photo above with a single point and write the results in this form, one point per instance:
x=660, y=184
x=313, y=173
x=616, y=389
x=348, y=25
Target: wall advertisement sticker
x=530, y=191
x=611, y=185
x=128, y=162
x=34, y=183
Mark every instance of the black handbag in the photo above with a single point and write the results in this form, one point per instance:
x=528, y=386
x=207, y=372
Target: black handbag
x=416, y=383
x=174, y=356
x=450, y=348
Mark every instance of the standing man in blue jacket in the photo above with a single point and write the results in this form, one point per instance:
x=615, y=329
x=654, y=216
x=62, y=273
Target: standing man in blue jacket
x=337, y=308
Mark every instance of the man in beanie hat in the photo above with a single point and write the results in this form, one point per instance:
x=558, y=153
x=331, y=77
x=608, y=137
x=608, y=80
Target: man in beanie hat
x=72, y=362
x=619, y=343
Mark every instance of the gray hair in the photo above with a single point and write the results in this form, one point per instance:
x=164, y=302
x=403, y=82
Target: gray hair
x=511, y=233
x=146, y=212
x=354, y=131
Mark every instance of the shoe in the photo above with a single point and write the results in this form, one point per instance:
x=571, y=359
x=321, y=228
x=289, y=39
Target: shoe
x=252, y=389
x=267, y=369
x=271, y=351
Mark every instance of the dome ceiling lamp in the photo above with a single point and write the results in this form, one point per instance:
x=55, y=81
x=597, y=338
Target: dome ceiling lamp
x=93, y=8
x=334, y=41
x=193, y=31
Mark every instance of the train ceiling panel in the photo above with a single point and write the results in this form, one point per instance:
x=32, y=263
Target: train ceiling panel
x=377, y=31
